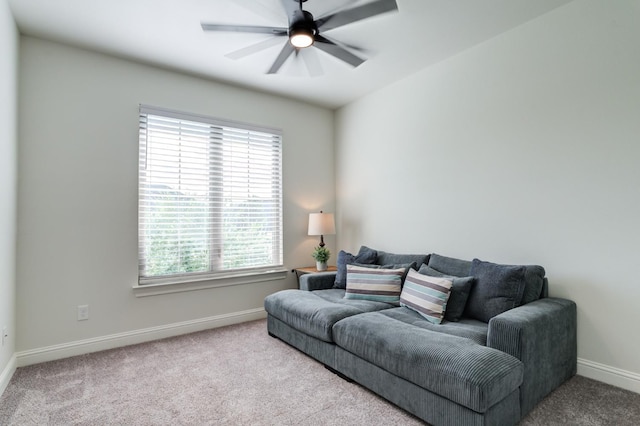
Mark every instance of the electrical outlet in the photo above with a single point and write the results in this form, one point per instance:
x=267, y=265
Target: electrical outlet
x=83, y=312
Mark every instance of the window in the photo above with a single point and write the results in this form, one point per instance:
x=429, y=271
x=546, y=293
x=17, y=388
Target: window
x=210, y=198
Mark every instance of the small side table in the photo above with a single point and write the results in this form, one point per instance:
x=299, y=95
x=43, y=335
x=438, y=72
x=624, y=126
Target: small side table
x=311, y=270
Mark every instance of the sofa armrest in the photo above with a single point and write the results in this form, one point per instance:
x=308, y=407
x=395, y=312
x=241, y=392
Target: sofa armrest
x=317, y=281
x=541, y=334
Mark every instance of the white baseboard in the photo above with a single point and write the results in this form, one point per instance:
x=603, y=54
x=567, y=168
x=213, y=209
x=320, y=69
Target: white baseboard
x=610, y=375
x=80, y=347
x=590, y=369
x=7, y=373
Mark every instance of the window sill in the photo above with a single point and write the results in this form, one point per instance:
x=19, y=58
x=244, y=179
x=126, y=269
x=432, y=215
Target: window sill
x=223, y=281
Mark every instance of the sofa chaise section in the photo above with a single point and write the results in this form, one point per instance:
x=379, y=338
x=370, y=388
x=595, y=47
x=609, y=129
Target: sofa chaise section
x=463, y=376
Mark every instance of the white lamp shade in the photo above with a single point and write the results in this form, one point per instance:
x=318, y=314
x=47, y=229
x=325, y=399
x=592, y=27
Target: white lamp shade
x=321, y=224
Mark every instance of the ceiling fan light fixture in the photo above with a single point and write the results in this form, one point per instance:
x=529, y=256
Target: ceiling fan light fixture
x=303, y=29
x=301, y=38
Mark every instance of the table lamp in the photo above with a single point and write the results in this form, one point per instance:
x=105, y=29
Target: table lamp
x=321, y=224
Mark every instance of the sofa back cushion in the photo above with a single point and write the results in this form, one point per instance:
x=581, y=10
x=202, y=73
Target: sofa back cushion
x=365, y=256
x=450, y=265
x=406, y=267
x=385, y=258
x=498, y=288
x=534, y=283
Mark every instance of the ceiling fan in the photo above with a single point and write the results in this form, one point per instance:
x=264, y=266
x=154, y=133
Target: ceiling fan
x=304, y=31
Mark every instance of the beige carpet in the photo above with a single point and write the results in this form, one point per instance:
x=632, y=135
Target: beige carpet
x=239, y=375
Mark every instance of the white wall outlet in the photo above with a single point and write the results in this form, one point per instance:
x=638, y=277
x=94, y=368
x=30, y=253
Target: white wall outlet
x=83, y=312
x=5, y=334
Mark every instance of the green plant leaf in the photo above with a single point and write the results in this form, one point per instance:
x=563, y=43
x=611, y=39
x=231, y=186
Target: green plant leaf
x=321, y=254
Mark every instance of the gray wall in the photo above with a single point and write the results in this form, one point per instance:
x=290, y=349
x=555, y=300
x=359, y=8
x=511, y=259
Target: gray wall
x=77, y=208
x=524, y=149
x=8, y=185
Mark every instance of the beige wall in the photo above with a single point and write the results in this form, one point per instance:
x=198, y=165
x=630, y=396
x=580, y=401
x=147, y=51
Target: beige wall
x=524, y=149
x=77, y=227
x=8, y=185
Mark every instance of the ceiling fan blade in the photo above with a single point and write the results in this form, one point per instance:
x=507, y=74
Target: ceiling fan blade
x=270, y=11
x=286, y=51
x=312, y=62
x=254, y=48
x=339, y=52
x=348, y=16
x=351, y=47
x=245, y=29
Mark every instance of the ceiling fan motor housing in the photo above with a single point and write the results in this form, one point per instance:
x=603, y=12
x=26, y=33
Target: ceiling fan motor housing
x=302, y=22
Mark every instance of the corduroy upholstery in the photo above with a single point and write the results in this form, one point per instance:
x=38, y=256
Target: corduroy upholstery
x=427, y=405
x=456, y=373
x=468, y=328
x=314, y=315
x=321, y=350
x=319, y=281
x=548, y=327
x=459, y=292
x=385, y=258
x=453, y=367
x=450, y=265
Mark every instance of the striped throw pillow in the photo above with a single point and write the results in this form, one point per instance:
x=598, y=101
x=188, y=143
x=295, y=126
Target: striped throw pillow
x=426, y=295
x=380, y=285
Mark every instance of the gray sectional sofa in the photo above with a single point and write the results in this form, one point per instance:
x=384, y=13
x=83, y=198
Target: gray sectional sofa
x=501, y=346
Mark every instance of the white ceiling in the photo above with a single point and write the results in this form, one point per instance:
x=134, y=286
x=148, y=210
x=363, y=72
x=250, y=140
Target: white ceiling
x=167, y=33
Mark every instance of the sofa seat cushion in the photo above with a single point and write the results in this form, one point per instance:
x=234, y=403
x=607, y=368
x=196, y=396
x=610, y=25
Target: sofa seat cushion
x=455, y=368
x=314, y=313
x=469, y=328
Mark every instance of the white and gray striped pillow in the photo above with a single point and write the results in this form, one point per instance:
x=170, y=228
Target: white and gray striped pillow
x=380, y=285
x=426, y=295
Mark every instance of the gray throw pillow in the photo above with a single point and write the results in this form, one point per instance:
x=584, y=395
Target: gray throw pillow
x=450, y=265
x=498, y=288
x=534, y=278
x=364, y=256
x=459, y=295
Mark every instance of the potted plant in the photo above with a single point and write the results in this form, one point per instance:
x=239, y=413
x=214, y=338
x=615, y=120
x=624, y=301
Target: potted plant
x=321, y=255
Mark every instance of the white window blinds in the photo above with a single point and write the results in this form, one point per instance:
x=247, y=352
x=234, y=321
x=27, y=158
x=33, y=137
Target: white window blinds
x=210, y=197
